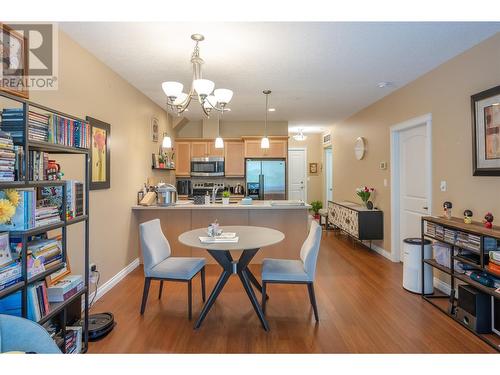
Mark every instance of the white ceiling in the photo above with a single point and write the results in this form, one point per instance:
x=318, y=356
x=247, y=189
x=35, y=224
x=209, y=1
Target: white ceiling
x=319, y=72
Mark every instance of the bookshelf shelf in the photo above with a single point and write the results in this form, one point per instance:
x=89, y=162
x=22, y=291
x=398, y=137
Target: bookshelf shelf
x=448, y=305
x=57, y=307
x=46, y=273
x=11, y=289
x=62, y=313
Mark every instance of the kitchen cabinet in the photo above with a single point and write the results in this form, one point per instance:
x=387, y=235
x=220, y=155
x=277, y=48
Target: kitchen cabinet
x=234, y=159
x=278, y=148
x=183, y=159
x=199, y=149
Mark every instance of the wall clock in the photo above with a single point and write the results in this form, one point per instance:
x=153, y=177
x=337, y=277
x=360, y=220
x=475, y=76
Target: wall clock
x=359, y=148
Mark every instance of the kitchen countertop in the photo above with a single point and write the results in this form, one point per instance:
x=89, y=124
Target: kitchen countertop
x=256, y=205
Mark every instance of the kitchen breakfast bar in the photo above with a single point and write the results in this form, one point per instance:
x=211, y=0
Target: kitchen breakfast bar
x=287, y=217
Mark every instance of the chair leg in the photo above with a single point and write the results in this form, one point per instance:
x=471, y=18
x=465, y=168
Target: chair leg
x=147, y=283
x=203, y=283
x=161, y=289
x=264, y=297
x=190, y=299
x=312, y=298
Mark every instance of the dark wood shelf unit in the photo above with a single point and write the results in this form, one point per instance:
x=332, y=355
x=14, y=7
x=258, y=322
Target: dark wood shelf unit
x=162, y=169
x=58, y=310
x=448, y=303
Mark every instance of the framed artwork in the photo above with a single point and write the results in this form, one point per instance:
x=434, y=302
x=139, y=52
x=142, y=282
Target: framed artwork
x=100, y=160
x=155, y=129
x=14, y=58
x=58, y=275
x=485, y=107
x=313, y=168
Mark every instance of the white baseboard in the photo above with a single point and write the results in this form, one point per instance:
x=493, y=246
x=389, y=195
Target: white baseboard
x=383, y=252
x=108, y=285
x=441, y=285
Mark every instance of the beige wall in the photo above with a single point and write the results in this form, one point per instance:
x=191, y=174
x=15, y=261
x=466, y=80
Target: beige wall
x=445, y=93
x=88, y=87
x=314, y=149
x=230, y=129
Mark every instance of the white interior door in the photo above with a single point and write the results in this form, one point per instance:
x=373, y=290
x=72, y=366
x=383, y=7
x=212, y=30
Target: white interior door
x=328, y=176
x=297, y=174
x=413, y=181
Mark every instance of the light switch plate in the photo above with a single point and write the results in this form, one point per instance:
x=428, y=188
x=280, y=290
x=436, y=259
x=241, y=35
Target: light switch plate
x=443, y=186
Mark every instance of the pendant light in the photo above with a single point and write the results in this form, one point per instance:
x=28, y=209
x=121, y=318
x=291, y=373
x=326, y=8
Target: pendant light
x=167, y=141
x=264, y=143
x=219, y=142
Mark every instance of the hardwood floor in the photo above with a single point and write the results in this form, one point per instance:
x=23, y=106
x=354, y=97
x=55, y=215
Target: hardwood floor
x=362, y=309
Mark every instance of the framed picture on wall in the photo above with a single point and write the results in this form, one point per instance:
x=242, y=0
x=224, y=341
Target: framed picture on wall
x=485, y=107
x=313, y=168
x=14, y=60
x=100, y=160
x=155, y=129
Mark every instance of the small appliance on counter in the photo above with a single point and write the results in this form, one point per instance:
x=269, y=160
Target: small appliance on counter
x=167, y=195
x=184, y=187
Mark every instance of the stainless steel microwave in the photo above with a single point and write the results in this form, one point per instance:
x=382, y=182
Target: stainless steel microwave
x=211, y=166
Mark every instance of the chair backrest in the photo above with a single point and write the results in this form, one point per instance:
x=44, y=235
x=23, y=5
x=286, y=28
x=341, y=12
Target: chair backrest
x=155, y=247
x=310, y=249
x=23, y=335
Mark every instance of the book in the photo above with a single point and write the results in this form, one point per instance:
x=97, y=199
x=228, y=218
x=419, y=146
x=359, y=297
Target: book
x=5, y=255
x=65, y=288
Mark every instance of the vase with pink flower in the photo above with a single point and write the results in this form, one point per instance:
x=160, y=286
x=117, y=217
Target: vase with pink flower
x=365, y=193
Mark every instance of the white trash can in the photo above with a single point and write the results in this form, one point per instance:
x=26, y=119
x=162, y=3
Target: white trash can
x=412, y=265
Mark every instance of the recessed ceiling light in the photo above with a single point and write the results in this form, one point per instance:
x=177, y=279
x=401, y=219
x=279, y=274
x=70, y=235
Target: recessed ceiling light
x=384, y=84
x=272, y=109
x=496, y=104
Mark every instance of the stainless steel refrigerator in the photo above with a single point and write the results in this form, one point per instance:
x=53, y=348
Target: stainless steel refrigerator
x=266, y=179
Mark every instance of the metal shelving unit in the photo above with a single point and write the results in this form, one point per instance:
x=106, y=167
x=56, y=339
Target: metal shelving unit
x=59, y=309
x=447, y=302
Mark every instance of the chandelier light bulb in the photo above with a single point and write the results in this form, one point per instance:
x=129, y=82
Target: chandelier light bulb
x=219, y=142
x=172, y=89
x=264, y=143
x=223, y=96
x=203, y=87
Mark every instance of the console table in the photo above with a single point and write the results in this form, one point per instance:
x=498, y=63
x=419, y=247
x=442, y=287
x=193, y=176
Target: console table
x=357, y=221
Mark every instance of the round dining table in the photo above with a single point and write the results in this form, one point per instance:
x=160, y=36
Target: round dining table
x=250, y=240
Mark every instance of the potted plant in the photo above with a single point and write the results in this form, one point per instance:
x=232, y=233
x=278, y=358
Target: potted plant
x=315, y=207
x=225, y=197
x=364, y=193
x=161, y=161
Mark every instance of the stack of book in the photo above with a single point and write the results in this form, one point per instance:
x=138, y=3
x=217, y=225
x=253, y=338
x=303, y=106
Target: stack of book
x=74, y=197
x=38, y=165
x=38, y=126
x=430, y=229
x=450, y=236
x=46, y=215
x=494, y=263
x=69, y=132
x=38, y=301
x=439, y=232
x=7, y=157
x=65, y=288
x=13, y=123
x=43, y=255
x=10, y=268
x=73, y=340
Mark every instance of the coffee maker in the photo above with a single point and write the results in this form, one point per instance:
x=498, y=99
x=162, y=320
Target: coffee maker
x=184, y=187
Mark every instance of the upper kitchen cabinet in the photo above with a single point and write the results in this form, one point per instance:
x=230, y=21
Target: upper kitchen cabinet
x=183, y=159
x=277, y=148
x=199, y=149
x=202, y=149
x=234, y=159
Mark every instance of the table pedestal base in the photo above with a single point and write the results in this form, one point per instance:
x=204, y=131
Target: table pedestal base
x=239, y=267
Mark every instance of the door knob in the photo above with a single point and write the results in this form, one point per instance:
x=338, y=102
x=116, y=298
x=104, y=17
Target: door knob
x=425, y=208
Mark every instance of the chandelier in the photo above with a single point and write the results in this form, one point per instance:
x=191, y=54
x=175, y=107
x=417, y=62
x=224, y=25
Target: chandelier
x=201, y=89
x=300, y=136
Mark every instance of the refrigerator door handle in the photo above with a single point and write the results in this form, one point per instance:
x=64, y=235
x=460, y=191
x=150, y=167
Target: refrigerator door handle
x=261, y=186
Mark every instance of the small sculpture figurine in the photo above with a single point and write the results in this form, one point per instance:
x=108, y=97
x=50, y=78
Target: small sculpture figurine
x=488, y=220
x=468, y=217
x=447, y=209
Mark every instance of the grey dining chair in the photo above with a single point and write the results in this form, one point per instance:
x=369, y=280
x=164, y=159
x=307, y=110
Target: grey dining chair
x=288, y=271
x=160, y=265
